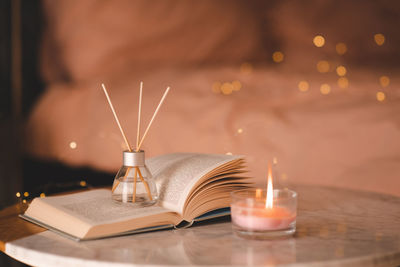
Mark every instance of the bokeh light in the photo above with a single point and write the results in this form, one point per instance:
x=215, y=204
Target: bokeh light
x=343, y=82
x=18, y=194
x=325, y=89
x=323, y=66
x=319, y=41
x=216, y=87
x=341, y=48
x=26, y=194
x=82, y=183
x=42, y=195
x=73, y=145
x=303, y=86
x=379, y=39
x=236, y=85
x=384, y=81
x=341, y=71
x=277, y=56
x=227, y=88
x=380, y=96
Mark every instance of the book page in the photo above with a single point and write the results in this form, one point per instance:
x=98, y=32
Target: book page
x=176, y=174
x=96, y=207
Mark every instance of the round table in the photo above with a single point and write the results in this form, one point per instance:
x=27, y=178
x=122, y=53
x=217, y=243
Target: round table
x=335, y=227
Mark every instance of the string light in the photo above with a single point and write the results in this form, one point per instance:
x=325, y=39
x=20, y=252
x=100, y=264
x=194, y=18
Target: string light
x=42, y=195
x=379, y=39
x=343, y=82
x=319, y=41
x=82, y=183
x=384, y=81
x=18, y=194
x=72, y=145
x=24, y=201
x=380, y=96
x=26, y=194
x=227, y=88
x=323, y=66
x=325, y=89
x=303, y=86
x=216, y=87
x=341, y=70
x=236, y=85
x=277, y=57
x=341, y=48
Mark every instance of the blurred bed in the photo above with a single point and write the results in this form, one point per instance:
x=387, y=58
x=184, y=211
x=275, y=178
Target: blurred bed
x=231, y=91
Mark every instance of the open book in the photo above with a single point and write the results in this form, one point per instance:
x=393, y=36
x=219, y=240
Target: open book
x=192, y=187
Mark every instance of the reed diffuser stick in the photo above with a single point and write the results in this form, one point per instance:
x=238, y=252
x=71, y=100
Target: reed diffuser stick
x=116, y=118
x=146, y=185
x=139, y=116
x=137, y=141
x=152, y=119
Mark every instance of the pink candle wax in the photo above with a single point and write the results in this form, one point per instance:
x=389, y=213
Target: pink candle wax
x=260, y=218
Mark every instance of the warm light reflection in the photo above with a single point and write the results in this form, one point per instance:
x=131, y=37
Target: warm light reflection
x=229, y=153
x=270, y=190
x=380, y=96
x=339, y=252
x=324, y=232
x=277, y=56
x=319, y=41
x=379, y=39
x=343, y=82
x=303, y=86
x=240, y=130
x=341, y=48
x=384, y=81
x=341, y=70
x=323, y=66
x=325, y=89
x=258, y=193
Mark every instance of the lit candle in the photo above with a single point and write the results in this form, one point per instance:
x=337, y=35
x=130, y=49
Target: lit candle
x=264, y=213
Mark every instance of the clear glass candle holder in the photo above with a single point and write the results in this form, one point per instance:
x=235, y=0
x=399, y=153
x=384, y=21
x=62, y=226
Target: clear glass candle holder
x=251, y=218
x=134, y=183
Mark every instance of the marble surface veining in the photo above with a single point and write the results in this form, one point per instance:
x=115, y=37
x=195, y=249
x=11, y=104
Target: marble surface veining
x=335, y=227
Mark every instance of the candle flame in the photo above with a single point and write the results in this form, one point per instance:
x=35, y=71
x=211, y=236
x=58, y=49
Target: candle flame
x=270, y=190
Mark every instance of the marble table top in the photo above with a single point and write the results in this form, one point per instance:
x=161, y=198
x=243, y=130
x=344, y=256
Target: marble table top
x=335, y=227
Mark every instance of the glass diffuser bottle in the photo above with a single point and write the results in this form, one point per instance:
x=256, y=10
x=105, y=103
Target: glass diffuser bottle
x=134, y=183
